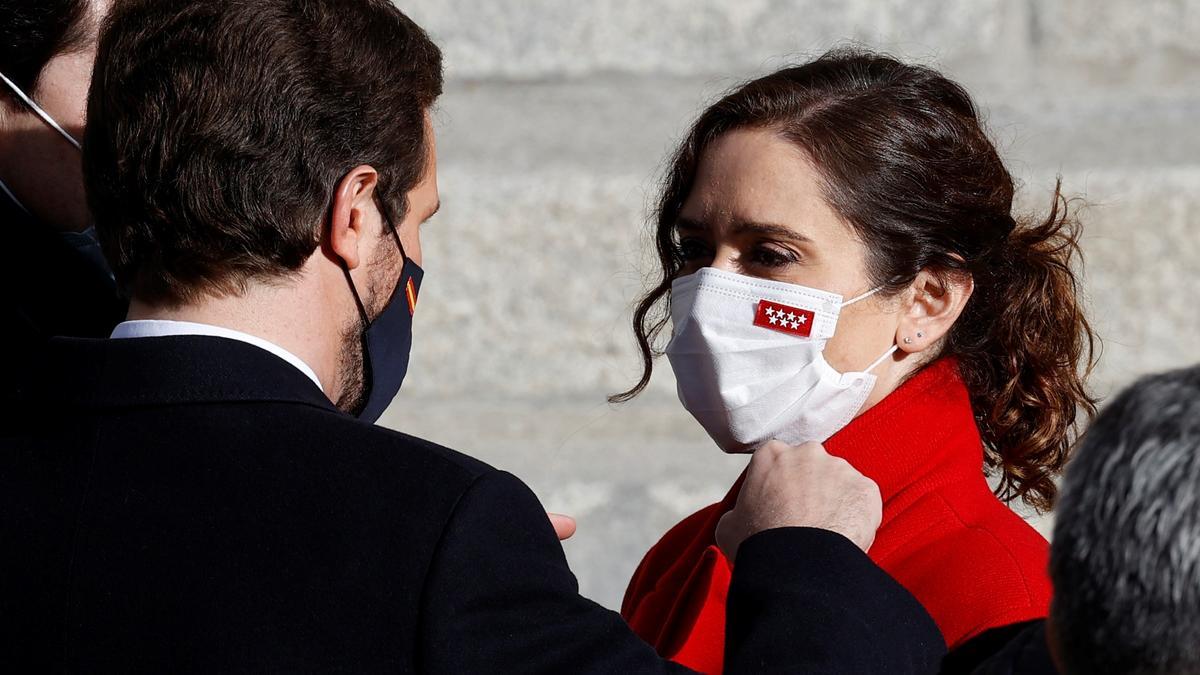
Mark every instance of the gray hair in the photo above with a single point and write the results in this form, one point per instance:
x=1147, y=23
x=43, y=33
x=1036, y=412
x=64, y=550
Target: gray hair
x=1126, y=555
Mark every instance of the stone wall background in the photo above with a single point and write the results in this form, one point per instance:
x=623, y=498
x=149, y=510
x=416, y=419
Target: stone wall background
x=553, y=131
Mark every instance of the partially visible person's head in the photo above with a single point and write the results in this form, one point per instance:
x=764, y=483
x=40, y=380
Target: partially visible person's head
x=34, y=36
x=46, y=49
x=1125, y=561
x=236, y=140
x=855, y=172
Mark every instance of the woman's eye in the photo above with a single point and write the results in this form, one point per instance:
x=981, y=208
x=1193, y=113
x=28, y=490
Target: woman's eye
x=768, y=256
x=693, y=249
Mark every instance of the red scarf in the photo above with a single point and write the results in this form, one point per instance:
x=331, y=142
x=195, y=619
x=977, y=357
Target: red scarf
x=973, y=563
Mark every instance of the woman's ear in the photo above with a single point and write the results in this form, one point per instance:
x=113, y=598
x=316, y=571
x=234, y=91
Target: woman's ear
x=353, y=204
x=931, y=306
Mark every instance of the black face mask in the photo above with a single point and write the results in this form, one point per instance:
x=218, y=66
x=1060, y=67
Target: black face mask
x=88, y=246
x=387, y=341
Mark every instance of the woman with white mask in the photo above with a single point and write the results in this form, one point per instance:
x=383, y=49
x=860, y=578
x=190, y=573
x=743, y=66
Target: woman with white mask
x=841, y=264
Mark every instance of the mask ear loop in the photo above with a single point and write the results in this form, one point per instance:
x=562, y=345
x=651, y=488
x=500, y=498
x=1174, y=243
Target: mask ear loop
x=885, y=357
x=9, y=193
x=888, y=353
x=362, y=309
x=386, y=212
x=864, y=296
x=364, y=322
x=364, y=319
x=45, y=118
x=40, y=113
x=402, y=286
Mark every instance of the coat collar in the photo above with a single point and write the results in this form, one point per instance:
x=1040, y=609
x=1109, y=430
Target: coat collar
x=923, y=432
x=169, y=370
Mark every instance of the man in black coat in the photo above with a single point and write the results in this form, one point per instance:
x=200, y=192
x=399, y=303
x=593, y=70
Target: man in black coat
x=206, y=492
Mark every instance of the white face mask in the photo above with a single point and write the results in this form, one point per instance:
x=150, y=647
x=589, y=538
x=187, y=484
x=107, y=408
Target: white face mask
x=747, y=357
x=45, y=116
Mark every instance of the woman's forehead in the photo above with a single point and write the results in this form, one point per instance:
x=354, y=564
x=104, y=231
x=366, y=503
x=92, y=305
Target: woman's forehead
x=755, y=176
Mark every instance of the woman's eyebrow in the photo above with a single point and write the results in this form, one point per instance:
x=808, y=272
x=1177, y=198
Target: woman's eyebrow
x=771, y=230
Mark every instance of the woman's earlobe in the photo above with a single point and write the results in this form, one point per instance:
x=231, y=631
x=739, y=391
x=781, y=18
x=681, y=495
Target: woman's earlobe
x=913, y=343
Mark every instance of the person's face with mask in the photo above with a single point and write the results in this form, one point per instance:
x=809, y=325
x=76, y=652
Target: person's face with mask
x=41, y=167
x=380, y=258
x=757, y=209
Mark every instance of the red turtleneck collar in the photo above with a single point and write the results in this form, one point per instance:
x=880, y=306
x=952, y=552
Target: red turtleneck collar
x=971, y=561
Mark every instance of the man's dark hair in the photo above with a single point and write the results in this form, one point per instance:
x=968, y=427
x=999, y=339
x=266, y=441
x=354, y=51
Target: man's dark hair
x=34, y=31
x=219, y=130
x=1126, y=554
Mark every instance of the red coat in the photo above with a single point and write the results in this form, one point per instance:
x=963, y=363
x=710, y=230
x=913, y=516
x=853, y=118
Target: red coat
x=972, y=562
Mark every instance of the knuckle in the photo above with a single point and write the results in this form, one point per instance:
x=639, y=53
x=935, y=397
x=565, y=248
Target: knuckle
x=775, y=448
x=866, y=484
x=813, y=448
x=843, y=469
x=870, y=491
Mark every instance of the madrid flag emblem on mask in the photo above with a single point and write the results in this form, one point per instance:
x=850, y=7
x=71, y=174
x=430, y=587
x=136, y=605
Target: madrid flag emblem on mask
x=791, y=320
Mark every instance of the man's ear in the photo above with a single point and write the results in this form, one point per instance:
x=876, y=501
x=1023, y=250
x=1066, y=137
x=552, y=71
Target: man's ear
x=931, y=306
x=353, y=206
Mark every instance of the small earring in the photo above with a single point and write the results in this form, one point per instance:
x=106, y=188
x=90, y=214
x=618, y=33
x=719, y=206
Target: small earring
x=920, y=335
x=908, y=341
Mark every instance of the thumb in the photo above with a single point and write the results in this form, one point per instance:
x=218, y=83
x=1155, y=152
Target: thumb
x=564, y=526
x=727, y=535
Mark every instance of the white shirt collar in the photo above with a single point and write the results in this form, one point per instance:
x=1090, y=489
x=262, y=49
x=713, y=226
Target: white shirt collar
x=161, y=328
